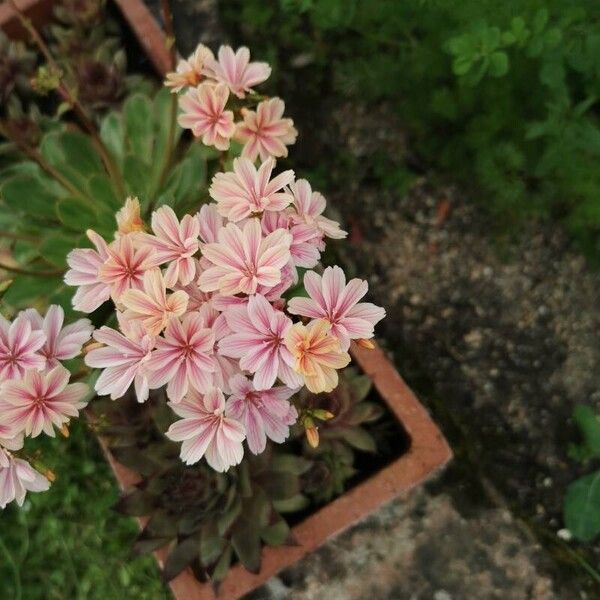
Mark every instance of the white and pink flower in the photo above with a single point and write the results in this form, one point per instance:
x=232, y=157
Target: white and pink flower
x=153, y=307
x=264, y=413
x=331, y=299
x=206, y=430
x=85, y=264
x=189, y=72
x=17, y=477
x=19, y=348
x=235, y=70
x=204, y=113
x=124, y=360
x=174, y=242
x=265, y=132
x=258, y=341
x=62, y=343
x=243, y=259
x=41, y=401
x=246, y=191
x=183, y=357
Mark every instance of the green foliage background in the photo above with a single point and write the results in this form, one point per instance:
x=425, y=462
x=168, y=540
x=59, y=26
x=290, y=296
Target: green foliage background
x=500, y=97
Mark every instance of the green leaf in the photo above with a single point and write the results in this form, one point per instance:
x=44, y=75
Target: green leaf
x=227, y=519
x=358, y=438
x=276, y=534
x=75, y=214
x=462, y=65
x=111, y=133
x=296, y=503
x=589, y=425
x=582, y=507
x=222, y=567
x=29, y=195
x=139, y=127
x=498, y=66
x=211, y=545
x=26, y=289
x=280, y=485
x=137, y=176
x=103, y=194
x=246, y=543
x=540, y=20
x=73, y=155
x=56, y=246
x=180, y=557
x=136, y=504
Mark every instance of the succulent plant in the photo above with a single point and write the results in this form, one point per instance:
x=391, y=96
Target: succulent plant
x=17, y=64
x=207, y=519
x=332, y=459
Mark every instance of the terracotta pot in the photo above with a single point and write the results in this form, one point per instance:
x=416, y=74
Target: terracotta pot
x=428, y=449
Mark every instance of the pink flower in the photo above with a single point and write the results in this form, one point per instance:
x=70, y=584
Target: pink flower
x=19, y=348
x=175, y=243
x=183, y=357
x=125, y=267
x=124, y=361
x=258, y=341
x=204, y=113
x=61, y=343
x=243, y=259
x=317, y=355
x=153, y=307
x=236, y=70
x=338, y=303
x=190, y=71
x=246, y=191
x=41, y=400
x=85, y=264
x=310, y=206
x=264, y=414
x=206, y=431
x=10, y=438
x=304, y=248
x=264, y=132
x=17, y=477
x=210, y=222
x=225, y=367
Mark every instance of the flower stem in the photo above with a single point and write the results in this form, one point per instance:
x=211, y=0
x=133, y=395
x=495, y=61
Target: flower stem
x=37, y=157
x=21, y=271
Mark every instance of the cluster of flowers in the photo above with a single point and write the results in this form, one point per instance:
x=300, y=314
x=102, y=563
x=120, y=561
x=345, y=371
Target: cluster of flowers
x=210, y=305
x=209, y=82
x=35, y=394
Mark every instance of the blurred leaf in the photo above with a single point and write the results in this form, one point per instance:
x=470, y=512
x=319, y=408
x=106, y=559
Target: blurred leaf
x=582, y=507
x=358, y=438
x=180, y=557
x=139, y=127
x=26, y=194
x=75, y=214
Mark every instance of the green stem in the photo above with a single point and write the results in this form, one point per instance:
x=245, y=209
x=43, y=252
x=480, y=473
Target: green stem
x=35, y=156
x=21, y=271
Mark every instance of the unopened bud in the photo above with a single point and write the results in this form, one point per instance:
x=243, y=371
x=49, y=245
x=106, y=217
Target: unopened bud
x=312, y=437
x=322, y=414
x=366, y=344
x=65, y=430
x=50, y=476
